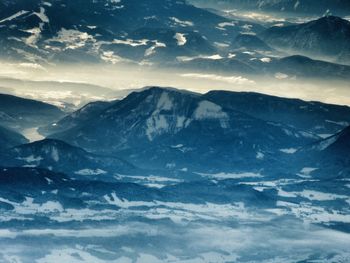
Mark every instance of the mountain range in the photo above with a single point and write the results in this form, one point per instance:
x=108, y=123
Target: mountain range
x=295, y=7
x=327, y=38
x=166, y=33
x=166, y=128
x=181, y=132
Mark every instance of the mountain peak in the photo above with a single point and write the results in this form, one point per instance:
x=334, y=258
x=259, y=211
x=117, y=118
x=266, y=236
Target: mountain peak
x=334, y=19
x=158, y=89
x=329, y=23
x=340, y=142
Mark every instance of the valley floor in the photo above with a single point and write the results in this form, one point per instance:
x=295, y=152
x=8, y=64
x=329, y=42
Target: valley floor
x=237, y=220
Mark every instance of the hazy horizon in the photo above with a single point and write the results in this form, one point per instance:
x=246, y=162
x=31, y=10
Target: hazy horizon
x=126, y=77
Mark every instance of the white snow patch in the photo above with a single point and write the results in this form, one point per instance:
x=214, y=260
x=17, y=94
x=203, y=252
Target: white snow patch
x=310, y=213
x=49, y=181
x=181, y=39
x=180, y=212
x=31, y=159
x=150, y=51
x=211, y=57
x=42, y=15
x=260, y=156
x=18, y=14
x=320, y=196
x=324, y=135
x=131, y=42
x=340, y=123
x=28, y=207
x=87, y=172
x=289, y=150
x=73, y=39
x=306, y=171
x=226, y=24
x=232, y=175
x=325, y=143
x=177, y=146
x=182, y=23
x=54, y=154
x=265, y=60
x=157, y=122
x=231, y=55
x=34, y=37
x=221, y=45
x=214, y=57
x=209, y=110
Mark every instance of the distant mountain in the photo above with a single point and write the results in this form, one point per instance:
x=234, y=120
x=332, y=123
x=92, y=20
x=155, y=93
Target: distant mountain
x=19, y=113
x=111, y=31
x=166, y=128
x=222, y=65
x=10, y=138
x=341, y=7
x=250, y=42
x=167, y=34
x=327, y=37
x=84, y=114
x=256, y=64
x=313, y=117
x=61, y=157
x=304, y=67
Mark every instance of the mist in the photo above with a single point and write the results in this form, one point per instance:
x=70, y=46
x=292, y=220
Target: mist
x=81, y=83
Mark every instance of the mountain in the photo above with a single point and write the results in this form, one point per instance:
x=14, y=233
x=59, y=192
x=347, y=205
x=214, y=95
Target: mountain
x=340, y=144
x=84, y=114
x=61, y=157
x=295, y=7
x=304, y=67
x=167, y=34
x=111, y=31
x=329, y=157
x=19, y=113
x=313, y=117
x=39, y=191
x=250, y=42
x=336, y=146
x=167, y=128
x=264, y=64
x=10, y=138
x=18, y=183
x=327, y=37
